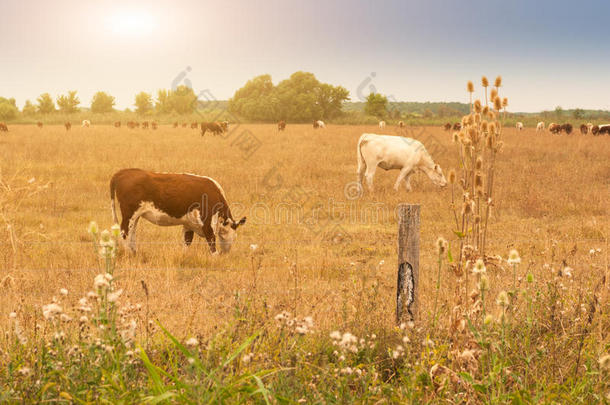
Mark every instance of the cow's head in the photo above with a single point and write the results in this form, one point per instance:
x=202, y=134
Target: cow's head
x=437, y=176
x=226, y=231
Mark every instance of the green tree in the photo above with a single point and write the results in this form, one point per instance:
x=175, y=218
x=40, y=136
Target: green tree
x=8, y=110
x=301, y=97
x=68, y=104
x=45, y=104
x=376, y=105
x=102, y=103
x=143, y=103
x=559, y=111
x=578, y=113
x=163, y=104
x=29, y=109
x=183, y=100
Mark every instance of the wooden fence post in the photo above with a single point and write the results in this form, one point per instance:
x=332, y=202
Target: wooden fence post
x=408, y=263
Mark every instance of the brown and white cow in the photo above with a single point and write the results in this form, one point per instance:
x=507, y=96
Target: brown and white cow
x=554, y=128
x=457, y=126
x=3, y=127
x=447, y=126
x=401, y=124
x=213, y=127
x=281, y=125
x=604, y=129
x=194, y=125
x=68, y=125
x=117, y=124
x=197, y=203
x=584, y=129
x=39, y=124
x=86, y=124
x=567, y=128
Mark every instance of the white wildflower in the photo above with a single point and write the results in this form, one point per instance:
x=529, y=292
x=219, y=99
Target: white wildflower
x=513, y=257
x=192, y=342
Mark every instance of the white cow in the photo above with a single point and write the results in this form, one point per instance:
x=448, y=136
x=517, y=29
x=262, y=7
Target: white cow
x=381, y=124
x=540, y=127
x=519, y=126
x=86, y=124
x=319, y=124
x=395, y=153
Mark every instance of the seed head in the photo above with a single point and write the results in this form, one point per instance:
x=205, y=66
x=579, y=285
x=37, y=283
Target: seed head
x=441, y=245
x=484, y=283
x=498, y=82
x=502, y=299
x=505, y=102
x=479, y=267
x=493, y=94
x=513, y=257
x=485, y=110
x=530, y=278
x=484, y=81
x=93, y=229
x=479, y=163
x=488, y=319
x=470, y=87
x=478, y=179
x=497, y=103
x=477, y=106
x=604, y=362
x=484, y=125
x=115, y=230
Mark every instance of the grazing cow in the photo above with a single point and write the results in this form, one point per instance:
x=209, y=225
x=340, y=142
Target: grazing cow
x=595, y=130
x=224, y=125
x=68, y=125
x=194, y=125
x=381, y=124
x=154, y=125
x=281, y=125
x=604, y=129
x=519, y=126
x=86, y=124
x=401, y=124
x=175, y=125
x=3, y=127
x=457, y=126
x=447, y=126
x=584, y=129
x=117, y=124
x=318, y=124
x=198, y=203
x=137, y=124
x=554, y=128
x=214, y=127
x=184, y=125
x=589, y=126
x=145, y=125
x=131, y=124
x=39, y=124
x=540, y=126
x=395, y=153
x=567, y=128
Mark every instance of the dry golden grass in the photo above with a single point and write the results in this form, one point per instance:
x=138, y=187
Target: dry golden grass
x=553, y=193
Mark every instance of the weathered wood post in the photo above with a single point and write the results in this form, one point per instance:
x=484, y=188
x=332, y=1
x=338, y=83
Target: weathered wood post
x=408, y=263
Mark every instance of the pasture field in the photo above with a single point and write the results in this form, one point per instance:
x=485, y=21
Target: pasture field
x=309, y=248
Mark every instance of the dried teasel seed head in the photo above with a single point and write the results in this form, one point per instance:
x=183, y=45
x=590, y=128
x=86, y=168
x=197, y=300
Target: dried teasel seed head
x=477, y=106
x=478, y=179
x=470, y=119
x=479, y=163
x=492, y=128
x=477, y=118
x=451, y=176
x=491, y=115
x=479, y=191
x=484, y=125
x=493, y=94
x=489, y=141
x=484, y=81
x=472, y=132
x=470, y=87
x=464, y=121
x=485, y=110
x=498, y=82
x=497, y=103
x=505, y=102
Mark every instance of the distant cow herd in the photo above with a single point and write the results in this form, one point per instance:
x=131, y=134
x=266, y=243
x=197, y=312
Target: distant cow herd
x=220, y=127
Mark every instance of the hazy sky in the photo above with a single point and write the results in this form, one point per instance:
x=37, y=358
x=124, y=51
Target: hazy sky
x=549, y=52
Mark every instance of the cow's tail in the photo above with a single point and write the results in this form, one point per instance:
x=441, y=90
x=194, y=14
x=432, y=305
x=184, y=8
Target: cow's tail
x=112, y=203
x=361, y=161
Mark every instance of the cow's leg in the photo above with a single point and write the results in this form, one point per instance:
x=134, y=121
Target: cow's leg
x=129, y=222
x=404, y=173
x=408, y=181
x=187, y=236
x=210, y=238
x=133, y=223
x=370, y=173
x=361, y=170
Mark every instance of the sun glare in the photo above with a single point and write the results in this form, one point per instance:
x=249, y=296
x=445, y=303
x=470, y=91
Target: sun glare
x=131, y=23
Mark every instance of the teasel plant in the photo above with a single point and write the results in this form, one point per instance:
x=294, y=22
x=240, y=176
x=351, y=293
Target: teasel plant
x=478, y=143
